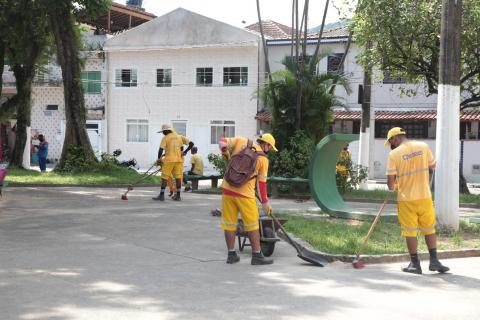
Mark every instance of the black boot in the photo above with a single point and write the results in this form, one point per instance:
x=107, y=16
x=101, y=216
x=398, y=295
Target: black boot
x=160, y=197
x=413, y=268
x=232, y=257
x=259, y=259
x=177, y=197
x=436, y=265
x=414, y=265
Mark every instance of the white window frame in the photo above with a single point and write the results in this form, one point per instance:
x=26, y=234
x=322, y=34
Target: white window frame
x=180, y=121
x=146, y=122
x=204, y=74
x=133, y=74
x=241, y=75
x=221, y=124
x=164, y=69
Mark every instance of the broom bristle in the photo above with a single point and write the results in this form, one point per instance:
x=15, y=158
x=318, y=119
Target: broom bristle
x=358, y=264
x=124, y=197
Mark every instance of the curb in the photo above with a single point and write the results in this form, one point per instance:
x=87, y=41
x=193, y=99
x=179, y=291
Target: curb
x=389, y=258
x=402, y=257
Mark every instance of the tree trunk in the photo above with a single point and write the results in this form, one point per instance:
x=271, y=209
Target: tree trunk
x=62, y=24
x=447, y=176
x=24, y=77
x=2, y=63
x=365, y=133
x=298, y=103
x=463, y=184
x=320, y=33
x=293, y=28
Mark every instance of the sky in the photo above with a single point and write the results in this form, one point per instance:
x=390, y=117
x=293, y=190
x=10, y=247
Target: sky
x=235, y=11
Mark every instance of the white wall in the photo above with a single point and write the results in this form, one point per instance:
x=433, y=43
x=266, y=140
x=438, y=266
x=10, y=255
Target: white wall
x=183, y=101
x=471, y=157
x=49, y=123
x=384, y=96
x=52, y=124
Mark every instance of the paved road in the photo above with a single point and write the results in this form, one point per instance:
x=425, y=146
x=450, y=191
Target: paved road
x=72, y=253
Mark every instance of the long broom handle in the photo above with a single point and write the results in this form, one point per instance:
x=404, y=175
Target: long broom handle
x=290, y=240
x=374, y=224
x=146, y=175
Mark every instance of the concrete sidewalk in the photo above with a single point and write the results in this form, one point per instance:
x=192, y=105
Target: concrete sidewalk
x=82, y=253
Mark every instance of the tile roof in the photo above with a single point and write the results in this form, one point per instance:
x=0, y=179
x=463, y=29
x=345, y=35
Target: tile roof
x=332, y=33
x=278, y=31
x=471, y=115
x=272, y=29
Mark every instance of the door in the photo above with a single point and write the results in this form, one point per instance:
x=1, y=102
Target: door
x=94, y=134
x=201, y=137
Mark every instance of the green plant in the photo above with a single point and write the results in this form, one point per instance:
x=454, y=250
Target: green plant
x=219, y=162
x=76, y=163
x=349, y=176
x=293, y=160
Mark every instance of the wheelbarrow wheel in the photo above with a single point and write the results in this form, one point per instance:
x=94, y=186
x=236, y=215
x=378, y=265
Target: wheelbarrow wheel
x=267, y=248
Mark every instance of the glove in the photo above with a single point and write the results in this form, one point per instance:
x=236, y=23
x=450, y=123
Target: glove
x=159, y=162
x=267, y=208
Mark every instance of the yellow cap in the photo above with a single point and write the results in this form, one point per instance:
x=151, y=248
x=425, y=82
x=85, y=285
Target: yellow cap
x=268, y=138
x=392, y=133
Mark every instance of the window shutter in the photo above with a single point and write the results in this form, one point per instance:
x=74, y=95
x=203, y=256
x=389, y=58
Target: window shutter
x=133, y=79
x=118, y=77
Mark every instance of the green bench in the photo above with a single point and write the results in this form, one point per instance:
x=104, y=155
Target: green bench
x=195, y=178
x=273, y=182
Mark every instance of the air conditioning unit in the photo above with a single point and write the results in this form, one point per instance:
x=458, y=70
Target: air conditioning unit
x=476, y=169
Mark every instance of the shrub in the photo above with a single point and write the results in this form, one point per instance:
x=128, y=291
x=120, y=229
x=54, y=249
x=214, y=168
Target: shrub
x=294, y=159
x=349, y=176
x=76, y=163
x=219, y=162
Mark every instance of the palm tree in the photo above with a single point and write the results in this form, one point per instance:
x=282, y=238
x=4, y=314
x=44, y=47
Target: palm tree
x=318, y=99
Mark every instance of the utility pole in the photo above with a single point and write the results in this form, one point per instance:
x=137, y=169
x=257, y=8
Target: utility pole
x=448, y=116
x=365, y=98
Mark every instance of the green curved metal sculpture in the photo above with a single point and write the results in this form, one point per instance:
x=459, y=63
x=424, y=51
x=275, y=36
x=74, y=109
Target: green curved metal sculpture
x=322, y=176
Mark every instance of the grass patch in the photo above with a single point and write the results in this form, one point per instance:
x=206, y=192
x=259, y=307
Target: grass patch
x=345, y=236
x=112, y=176
x=381, y=194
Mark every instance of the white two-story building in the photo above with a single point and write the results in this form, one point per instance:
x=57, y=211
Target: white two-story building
x=195, y=73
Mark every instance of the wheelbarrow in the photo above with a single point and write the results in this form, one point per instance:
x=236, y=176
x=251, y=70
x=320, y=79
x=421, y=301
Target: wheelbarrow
x=268, y=235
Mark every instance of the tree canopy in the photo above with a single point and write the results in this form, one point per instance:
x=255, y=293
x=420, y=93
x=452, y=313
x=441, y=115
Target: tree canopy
x=405, y=39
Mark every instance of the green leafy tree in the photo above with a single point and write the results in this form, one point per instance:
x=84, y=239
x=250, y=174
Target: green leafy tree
x=24, y=37
x=62, y=17
x=405, y=38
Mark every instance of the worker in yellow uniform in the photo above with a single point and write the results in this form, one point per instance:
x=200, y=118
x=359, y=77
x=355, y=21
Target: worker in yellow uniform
x=197, y=166
x=409, y=165
x=170, y=182
x=344, y=159
x=172, y=144
x=196, y=162
x=241, y=199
